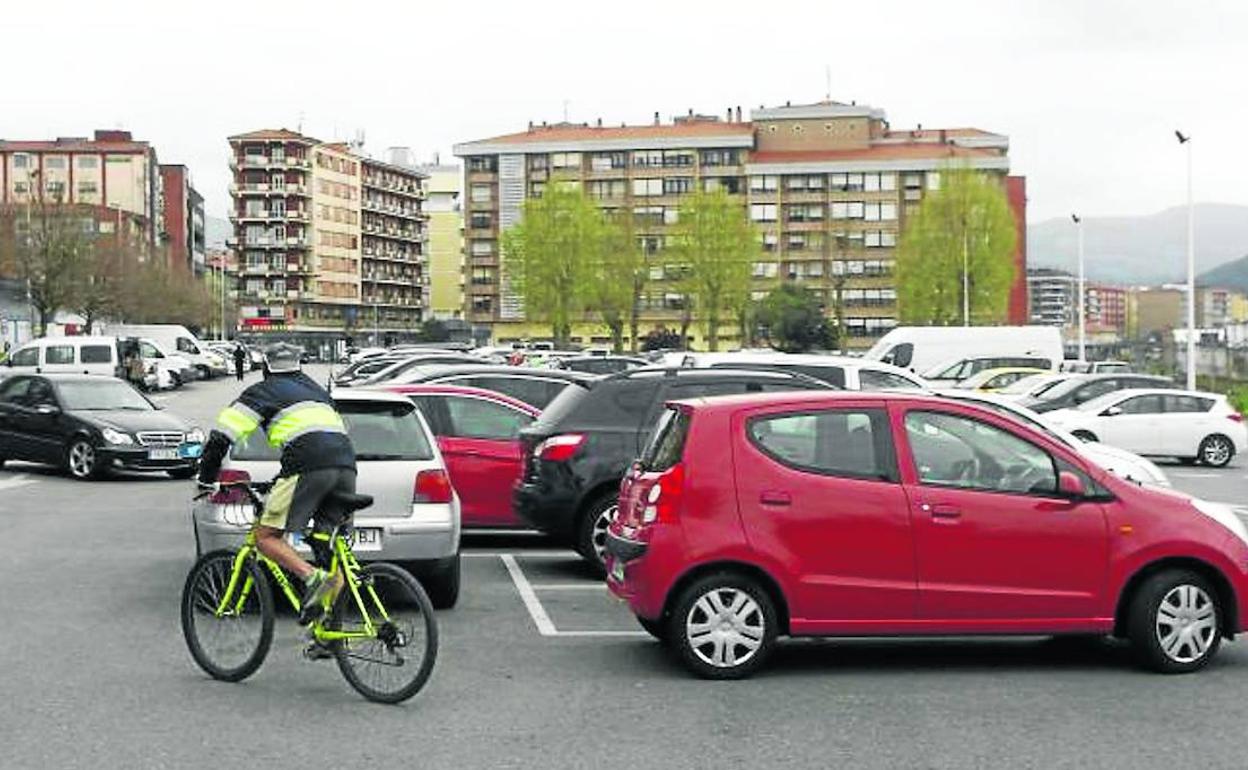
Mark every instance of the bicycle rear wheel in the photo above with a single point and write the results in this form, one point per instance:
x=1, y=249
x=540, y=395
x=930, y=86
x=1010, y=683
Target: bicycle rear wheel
x=230, y=647
x=395, y=665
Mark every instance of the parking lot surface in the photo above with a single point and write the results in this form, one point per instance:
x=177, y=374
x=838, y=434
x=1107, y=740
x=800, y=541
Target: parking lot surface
x=538, y=667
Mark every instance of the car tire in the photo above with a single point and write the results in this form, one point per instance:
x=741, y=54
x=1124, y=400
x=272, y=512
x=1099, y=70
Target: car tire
x=183, y=473
x=2, y=460
x=1085, y=435
x=707, y=633
x=656, y=628
x=591, y=531
x=442, y=585
x=1216, y=451
x=82, y=460
x=1185, y=603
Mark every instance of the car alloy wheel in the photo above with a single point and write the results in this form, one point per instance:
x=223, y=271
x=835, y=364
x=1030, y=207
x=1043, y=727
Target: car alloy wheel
x=1186, y=623
x=599, y=536
x=1216, y=451
x=725, y=628
x=82, y=460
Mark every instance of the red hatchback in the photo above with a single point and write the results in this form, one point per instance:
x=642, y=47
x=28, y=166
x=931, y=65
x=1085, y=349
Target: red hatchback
x=856, y=514
x=478, y=432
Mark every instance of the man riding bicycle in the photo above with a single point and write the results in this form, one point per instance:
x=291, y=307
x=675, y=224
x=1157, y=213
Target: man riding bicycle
x=316, y=455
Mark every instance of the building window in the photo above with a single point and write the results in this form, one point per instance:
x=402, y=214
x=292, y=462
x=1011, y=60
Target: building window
x=607, y=188
x=487, y=163
x=648, y=158
x=21, y=161
x=481, y=193
x=565, y=160
x=677, y=158
x=54, y=162
x=677, y=185
x=87, y=188
x=21, y=188
x=481, y=220
x=764, y=183
x=719, y=158
x=876, y=212
x=606, y=161
x=56, y=189
x=766, y=269
x=648, y=215
x=647, y=187
x=88, y=161
x=539, y=162
x=933, y=180
x=804, y=212
x=763, y=212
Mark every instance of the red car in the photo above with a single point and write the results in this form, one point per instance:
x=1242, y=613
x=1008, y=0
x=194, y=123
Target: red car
x=478, y=433
x=856, y=514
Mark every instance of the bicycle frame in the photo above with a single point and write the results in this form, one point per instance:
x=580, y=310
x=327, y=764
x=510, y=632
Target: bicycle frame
x=342, y=558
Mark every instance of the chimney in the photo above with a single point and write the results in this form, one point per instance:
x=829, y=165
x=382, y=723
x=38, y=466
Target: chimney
x=787, y=103
x=738, y=113
x=729, y=114
x=599, y=122
x=656, y=117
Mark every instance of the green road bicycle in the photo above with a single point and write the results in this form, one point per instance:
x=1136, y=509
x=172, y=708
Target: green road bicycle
x=380, y=629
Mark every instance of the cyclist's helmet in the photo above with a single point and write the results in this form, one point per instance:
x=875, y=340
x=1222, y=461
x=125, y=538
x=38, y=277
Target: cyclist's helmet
x=281, y=357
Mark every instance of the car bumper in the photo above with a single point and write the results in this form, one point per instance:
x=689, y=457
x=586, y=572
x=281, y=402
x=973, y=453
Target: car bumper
x=138, y=459
x=544, y=509
x=400, y=540
x=638, y=573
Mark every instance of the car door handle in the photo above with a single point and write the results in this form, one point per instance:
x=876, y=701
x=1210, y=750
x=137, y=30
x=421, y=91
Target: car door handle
x=774, y=497
x=942, y=511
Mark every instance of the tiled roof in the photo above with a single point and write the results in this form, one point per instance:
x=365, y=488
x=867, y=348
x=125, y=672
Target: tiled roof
x=272, y=133
x=567, y=132
x=925, y=150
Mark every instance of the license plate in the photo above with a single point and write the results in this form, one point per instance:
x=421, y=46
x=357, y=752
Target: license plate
x=162, y=454
x=367, y=539
x=617, y=570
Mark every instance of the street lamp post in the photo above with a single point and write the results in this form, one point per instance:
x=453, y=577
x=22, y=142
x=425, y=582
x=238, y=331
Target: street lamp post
x=1186, y=140
x=1082, y=300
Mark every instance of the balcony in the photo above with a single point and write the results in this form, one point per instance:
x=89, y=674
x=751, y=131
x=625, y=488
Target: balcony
x=297, y=216
x=298, y=243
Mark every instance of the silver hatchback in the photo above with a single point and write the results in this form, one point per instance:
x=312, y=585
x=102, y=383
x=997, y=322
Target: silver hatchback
x=415, y=516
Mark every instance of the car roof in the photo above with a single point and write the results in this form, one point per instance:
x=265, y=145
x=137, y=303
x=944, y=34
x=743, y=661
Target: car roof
x=808, y=398
x=367, y=394
x=432, y=388
x=87, y=339
x=1128, y=392
x=503, y=369
x=56, y=377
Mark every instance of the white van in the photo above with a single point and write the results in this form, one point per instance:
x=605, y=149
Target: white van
x=177, y=340
x=922, y=348
x=67, y=355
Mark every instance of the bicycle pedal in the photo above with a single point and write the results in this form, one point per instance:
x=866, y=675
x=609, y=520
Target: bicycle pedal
x=317, y=651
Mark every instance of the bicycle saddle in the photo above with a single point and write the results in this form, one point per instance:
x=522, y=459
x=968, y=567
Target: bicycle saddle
x=349, y=501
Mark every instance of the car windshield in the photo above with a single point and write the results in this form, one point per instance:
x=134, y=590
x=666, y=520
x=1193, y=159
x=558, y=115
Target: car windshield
x=1036, y=382
x=1100, y=402
x=1027, y=419
x=100, y=395
x=379, y=430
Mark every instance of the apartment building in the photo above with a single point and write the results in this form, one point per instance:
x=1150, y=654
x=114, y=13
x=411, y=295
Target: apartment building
x=829, y=186
x=1051, y=297
x=446, y=240
x=329, y=241
x=112, y=173
x=182, y=220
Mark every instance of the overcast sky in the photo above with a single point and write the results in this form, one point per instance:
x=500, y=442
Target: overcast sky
x=1088, y=92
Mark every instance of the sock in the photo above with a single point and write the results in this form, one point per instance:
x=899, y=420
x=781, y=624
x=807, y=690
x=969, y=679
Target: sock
x=315, y=576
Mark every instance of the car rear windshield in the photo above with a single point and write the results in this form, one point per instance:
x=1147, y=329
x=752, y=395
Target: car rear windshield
x=379, y=430
x=668, y=442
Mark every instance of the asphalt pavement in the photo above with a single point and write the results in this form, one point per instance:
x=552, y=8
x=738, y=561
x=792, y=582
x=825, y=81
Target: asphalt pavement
x=538, y=667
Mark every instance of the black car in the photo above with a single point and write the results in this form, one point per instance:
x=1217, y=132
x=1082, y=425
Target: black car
x=532, y=386
x=90, y=425
x=601, y=364
x=411, y=361
x=579, y=448
x=1077, y=390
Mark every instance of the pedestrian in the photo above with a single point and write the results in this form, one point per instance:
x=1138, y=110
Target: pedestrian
x=240, y=358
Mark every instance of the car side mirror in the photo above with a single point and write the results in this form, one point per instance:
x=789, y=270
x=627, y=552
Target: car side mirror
x=47, y=409
x=1112, y=411
x=1070, y=485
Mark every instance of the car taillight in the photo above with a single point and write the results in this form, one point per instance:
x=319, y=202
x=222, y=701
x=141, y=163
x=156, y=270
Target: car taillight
x=559, y=449
x=1235, y=417
x=230, y=491
x=432, y=487
x=662, y=501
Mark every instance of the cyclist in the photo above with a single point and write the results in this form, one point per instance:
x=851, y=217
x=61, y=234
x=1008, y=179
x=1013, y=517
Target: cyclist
x=316, y=455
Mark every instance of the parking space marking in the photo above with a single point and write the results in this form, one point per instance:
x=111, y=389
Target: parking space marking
x=545, y=626
x=525, y=554
x=16, y=481
x=536, y=611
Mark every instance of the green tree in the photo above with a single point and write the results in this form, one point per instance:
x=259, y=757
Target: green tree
x=549, y=256
x=715, y=242
x=793, y=322
x=620, y=271
x=433, y=330
x=967, y=221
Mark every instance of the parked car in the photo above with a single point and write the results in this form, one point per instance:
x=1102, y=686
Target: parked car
x=839, y=371
x=992, y=380
x=91, y=425
x=955, y=370
x=1096, y=367
x=1118, y=461
x=1190, y=425
x=414, y=519
x=68, y=355
x=578, y=450
x=921, y=348
x=1034, y=385
x=362, y=369
x=537, y=387
x=862, y=514
x=478, y=432
x=1082, y=388
x=601, y=364
x=410, y=361
x=176, y=339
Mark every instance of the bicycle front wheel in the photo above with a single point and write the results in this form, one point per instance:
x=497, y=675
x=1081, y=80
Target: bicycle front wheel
x=232, y=645
x=393, y=665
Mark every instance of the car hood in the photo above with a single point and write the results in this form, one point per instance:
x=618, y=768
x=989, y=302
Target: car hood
x=1124, y=463
x=132, y=421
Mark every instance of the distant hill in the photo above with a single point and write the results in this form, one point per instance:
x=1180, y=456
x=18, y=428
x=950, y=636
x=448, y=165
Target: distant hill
x=1232, y=275
x=1142, y=250
x=216, y=231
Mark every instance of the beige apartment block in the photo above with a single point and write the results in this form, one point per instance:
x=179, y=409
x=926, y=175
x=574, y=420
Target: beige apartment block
x=446, y=240
x=828, y=185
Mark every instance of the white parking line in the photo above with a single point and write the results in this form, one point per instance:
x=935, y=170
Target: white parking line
x=16, y=481
x=1197, y=475
x=541, y=619
x=525, y=554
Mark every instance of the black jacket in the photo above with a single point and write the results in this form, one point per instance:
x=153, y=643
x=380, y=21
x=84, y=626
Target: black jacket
x=298, y=415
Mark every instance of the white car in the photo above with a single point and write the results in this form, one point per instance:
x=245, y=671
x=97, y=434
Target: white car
x=1191, y=425
x=1117, y=461
x=1034, y=386
x=841, y=371
x=415, y=516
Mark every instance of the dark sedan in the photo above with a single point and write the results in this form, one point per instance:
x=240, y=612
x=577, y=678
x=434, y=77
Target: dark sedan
x=90, y=425
x=1077, y=390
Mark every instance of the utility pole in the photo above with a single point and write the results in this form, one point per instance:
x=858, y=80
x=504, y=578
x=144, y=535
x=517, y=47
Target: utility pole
x=1081, y=302
x=1191, y=267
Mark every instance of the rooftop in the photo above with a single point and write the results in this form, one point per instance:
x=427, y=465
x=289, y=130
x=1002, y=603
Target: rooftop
x=272, y=134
